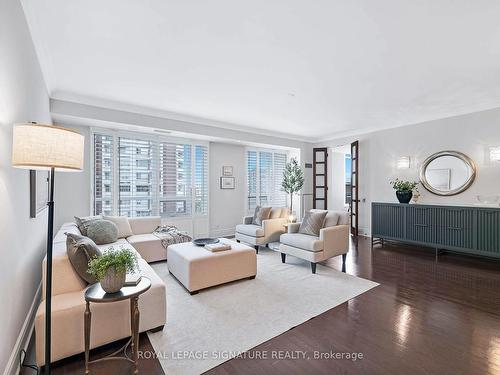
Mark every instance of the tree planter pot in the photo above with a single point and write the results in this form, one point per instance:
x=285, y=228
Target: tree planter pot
x=113, y=281
x=404, y=196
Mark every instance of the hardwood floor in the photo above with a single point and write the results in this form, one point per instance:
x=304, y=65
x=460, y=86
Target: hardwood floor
x=426, y=317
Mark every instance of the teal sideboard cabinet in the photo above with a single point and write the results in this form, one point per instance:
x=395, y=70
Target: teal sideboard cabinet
x=473, y=230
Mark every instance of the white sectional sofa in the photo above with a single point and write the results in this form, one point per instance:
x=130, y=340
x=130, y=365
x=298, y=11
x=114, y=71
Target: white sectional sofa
x=110, y=321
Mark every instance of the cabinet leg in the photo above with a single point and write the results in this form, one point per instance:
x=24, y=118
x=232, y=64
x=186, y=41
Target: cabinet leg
x=87, y=323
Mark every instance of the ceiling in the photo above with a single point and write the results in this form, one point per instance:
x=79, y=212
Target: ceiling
x=310, y=69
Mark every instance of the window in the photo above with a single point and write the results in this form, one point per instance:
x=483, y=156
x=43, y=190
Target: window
x=348, y=179
x=153, y=177
x=264, y=175
x=201, y=179
x=175, y=179
x=136, y=157
x=103, y=164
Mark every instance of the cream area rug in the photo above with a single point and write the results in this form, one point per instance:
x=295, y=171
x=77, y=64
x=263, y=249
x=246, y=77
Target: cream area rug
x=207, y=329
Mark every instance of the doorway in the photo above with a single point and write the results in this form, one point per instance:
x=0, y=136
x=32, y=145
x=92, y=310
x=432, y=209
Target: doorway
x=343, y=164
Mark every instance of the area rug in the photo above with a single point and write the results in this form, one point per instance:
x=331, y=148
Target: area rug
x=207, y=329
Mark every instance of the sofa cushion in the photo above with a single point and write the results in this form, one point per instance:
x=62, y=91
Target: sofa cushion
x=121, y=222
x=84, y=222
x=148, y=246
x=261, y=213
x=121, y=243
x=102, y=232
x=250, y=230
x=343, y=218
x=312, y=222
x=275, y=213
x=80, y=251
x=143, y=225
x=302, y=241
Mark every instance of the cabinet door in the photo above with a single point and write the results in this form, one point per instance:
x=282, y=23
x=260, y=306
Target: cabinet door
x=454, y=227
x=420, y=224
x=388, y=221
x=488, y=232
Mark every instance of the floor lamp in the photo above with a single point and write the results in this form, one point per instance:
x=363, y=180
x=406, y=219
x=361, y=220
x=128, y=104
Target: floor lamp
x=52, y=148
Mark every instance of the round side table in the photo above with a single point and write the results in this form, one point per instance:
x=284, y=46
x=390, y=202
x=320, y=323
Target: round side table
x=96, y=294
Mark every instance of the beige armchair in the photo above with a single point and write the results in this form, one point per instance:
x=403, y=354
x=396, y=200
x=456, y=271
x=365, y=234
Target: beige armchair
x=333, y=240
x=261, y=235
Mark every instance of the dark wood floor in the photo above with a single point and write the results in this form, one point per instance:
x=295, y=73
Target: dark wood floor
x=426, y=317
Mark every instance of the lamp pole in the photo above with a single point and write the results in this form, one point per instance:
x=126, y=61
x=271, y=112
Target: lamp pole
x=48, y=276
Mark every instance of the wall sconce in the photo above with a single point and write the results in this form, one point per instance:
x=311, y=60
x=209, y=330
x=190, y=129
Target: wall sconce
x=495, y=153
x=403, y=162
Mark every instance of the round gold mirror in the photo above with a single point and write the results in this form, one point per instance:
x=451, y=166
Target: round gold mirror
x=447, y=173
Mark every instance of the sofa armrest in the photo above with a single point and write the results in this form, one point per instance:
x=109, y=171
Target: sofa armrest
x=293, y=227
x=335, y=240
x=247, y=219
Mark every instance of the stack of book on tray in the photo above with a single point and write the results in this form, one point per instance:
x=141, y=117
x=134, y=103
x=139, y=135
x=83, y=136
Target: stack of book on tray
x=219, y=246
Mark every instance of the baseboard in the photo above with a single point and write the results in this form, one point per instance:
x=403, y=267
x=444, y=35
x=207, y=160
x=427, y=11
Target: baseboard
x=23, y=340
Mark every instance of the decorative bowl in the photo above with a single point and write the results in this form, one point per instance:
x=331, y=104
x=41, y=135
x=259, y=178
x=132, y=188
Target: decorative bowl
x=205, y=241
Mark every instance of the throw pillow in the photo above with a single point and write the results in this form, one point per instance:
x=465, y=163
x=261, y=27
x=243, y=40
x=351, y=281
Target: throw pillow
x=121, y=222
x=102, y=232
x=261, y=213
x=84, y=222
x=80, y=251
x=312, y=223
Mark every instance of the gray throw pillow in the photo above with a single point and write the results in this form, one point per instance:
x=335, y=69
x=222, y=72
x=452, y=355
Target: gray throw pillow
x=261, y=213
x=102, y=232
x=84, y=222
x=80, y=251
x=312, y=223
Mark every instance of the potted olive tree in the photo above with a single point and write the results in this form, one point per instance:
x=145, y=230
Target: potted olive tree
x=293, y=180
x=404, y=189
x=111, y=268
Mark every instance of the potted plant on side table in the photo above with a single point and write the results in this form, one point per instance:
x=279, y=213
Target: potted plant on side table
x=111, y=268
x=404, y=189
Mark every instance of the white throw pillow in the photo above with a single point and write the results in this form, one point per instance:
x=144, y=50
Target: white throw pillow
x=121, y=222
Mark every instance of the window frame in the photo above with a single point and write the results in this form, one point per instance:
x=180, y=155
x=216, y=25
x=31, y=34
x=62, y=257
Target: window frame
x=156, y=139
x=258, y=150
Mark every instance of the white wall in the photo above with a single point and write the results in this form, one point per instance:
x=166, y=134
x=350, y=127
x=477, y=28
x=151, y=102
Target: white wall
x=471, y=134
x=23, y=97
x=72, y=190
x=227, y=207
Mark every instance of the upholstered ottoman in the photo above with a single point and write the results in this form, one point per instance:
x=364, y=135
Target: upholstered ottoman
x=197, y=268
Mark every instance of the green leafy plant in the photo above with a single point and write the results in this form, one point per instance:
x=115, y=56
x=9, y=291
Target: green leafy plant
x=293, y=179
x=122, y=260
x=400, y=185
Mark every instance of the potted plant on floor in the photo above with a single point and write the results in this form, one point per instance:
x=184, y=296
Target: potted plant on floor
x=293, y=180
x=404, y=189
x=111, y=268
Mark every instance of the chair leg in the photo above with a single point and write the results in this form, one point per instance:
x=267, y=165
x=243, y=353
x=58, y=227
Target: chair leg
x=313, y=267
x=344, y=257
x=256, y=248
x=283, y=257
